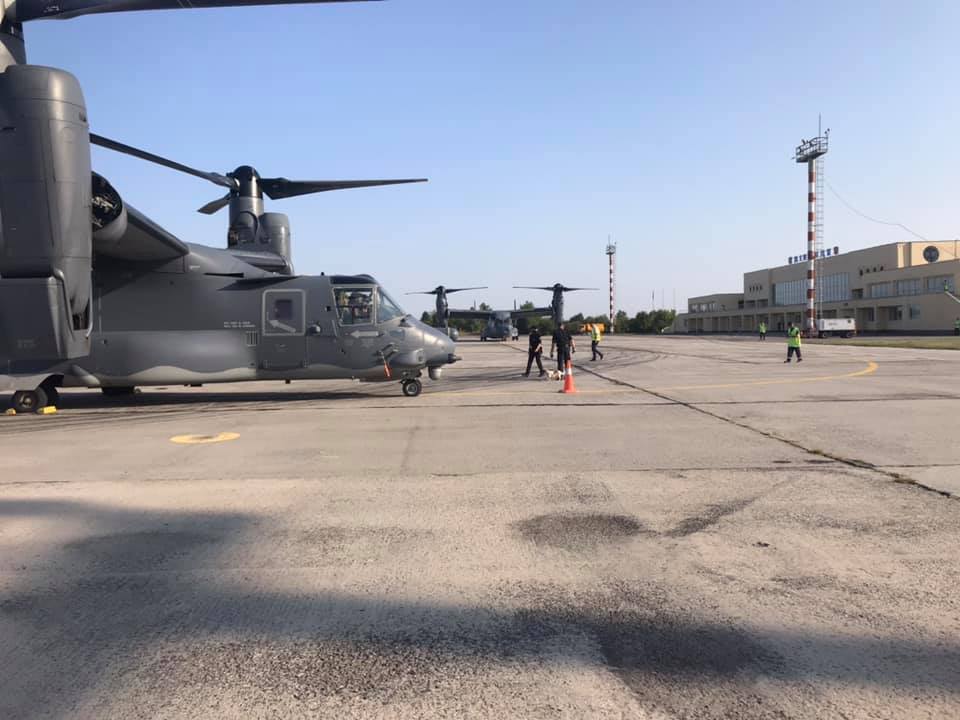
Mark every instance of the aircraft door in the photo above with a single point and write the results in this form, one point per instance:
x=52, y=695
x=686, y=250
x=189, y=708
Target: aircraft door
x=283, y=345
x=361, y=341
x=323, y=346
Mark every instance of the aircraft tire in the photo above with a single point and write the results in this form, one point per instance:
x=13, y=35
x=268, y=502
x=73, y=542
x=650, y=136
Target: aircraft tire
x=412, y=388
x=26, y=401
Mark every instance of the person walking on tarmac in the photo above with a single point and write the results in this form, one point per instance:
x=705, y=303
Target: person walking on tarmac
x=763, y=330
x=563, y=343
x=793, y=343
x=536, y=350
x=595, y=337
x=956, y=326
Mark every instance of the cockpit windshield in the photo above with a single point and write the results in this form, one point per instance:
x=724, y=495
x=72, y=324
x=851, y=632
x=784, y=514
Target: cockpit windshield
x=387, y=309
x=354, y=305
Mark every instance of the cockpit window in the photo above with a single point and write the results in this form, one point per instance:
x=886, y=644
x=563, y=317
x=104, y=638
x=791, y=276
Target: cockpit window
x=354, y=305
x=387, y=309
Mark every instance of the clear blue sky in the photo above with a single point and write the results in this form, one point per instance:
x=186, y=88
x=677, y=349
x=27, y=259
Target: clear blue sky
x=543, y=126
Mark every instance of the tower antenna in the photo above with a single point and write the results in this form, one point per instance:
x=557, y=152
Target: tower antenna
x=612, y=257
x=811, y=152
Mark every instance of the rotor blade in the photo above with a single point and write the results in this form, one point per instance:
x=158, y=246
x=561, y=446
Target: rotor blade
x=214, y=205
x=278, y=188
x=566, y=289
x=451, y=290
x=532, y=287
x=25, y=10
x=215, y=178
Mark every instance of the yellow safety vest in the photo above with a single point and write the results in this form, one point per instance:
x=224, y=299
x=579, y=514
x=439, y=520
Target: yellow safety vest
x=793, y=337
x=595, y=333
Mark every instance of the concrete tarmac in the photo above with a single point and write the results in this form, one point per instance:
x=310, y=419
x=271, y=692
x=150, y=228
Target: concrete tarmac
x=701, y=532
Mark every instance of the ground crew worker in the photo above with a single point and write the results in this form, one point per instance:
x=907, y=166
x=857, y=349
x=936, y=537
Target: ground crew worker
x=763, y=330
x=595, y=337
x=956, y=326
x=563, y=343
x=536, y=350
x=793, y=343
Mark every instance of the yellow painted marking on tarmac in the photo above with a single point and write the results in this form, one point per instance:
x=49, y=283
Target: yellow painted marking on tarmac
x=204, y=439
x=868, y=370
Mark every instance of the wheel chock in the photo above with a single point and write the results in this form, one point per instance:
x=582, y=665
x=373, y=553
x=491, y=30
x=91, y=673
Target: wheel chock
x=48, y=410
x=10, y=411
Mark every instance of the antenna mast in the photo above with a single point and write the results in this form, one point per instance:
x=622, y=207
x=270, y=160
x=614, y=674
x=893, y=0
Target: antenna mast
x=811, y=152
x=612, y=256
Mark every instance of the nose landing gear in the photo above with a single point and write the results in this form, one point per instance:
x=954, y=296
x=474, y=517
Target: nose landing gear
x=412, y=387
x=29, y=401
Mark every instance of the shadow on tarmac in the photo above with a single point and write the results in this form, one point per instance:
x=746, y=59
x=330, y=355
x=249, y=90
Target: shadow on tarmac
x=134, y=606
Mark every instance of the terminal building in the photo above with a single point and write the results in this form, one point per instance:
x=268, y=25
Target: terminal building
x=889, y=288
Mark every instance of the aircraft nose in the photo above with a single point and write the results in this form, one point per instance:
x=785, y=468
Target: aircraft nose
x=438, y=348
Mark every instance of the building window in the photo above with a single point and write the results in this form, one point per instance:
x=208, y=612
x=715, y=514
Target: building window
x=914, y=312
x=882, y=290
x=940, y=283
x=790, y=293
x=833, y=288
x=870, y=314
x=895, y=313
x=909, y=287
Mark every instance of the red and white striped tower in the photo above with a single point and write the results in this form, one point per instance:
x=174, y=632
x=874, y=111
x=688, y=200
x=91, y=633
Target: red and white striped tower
x=811, y=317
x=612, y=255
x=807, y=152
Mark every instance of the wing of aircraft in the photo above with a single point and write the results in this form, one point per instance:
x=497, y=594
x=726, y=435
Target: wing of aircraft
x=471, y=314
x=535, y=312
x=143, y=240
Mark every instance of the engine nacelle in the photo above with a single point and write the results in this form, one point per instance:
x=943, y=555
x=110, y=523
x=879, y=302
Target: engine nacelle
x=275, y=232
x=45, y=233
x=109, y=216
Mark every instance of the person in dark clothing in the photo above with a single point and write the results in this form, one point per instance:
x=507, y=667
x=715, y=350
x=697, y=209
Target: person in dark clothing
x=534, y=353
x=563, y=343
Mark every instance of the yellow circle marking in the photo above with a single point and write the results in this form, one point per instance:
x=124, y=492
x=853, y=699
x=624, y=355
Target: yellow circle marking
x=203, y=439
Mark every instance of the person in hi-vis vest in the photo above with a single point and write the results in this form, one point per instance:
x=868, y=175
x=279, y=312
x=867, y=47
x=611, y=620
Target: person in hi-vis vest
x=793, y=342
x=595, y=337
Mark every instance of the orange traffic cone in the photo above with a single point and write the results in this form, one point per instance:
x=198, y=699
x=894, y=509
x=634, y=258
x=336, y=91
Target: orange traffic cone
x=568, y=386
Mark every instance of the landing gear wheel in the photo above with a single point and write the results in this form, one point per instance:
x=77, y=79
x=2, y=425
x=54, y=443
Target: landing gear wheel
x=412, y=388
x=117, y=391
x=27, y=401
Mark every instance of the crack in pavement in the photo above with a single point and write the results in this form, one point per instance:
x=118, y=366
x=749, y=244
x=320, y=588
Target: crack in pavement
x=852, y=462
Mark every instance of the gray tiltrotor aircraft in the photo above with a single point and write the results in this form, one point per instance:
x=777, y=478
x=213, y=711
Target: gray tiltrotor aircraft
x=95, y=294
x=442, y=316
x=499, y=323
x=555, y=311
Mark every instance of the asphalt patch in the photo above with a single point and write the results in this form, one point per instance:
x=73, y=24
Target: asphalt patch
x=578, y=531
x=136, y=551
x=676, y=661
x=708, y=517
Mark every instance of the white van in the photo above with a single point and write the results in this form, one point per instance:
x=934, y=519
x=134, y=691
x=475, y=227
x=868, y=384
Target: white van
x=845, y=327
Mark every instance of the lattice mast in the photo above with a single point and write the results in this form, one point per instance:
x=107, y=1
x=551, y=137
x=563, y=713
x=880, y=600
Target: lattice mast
x=612, y=257
x=811, y=152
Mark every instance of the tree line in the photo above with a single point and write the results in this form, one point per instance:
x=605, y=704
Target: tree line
x=656, y=321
